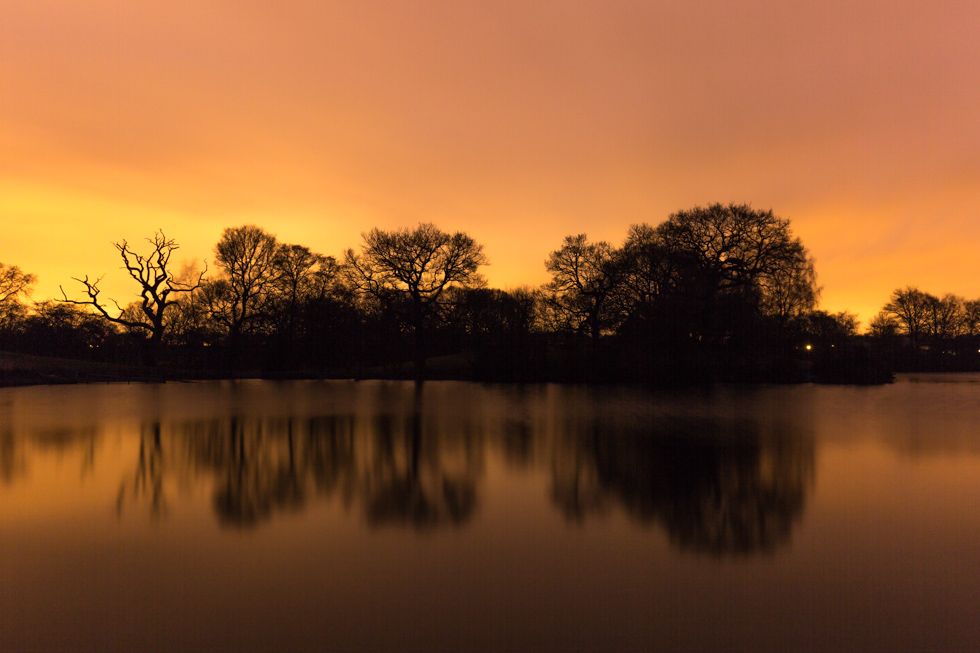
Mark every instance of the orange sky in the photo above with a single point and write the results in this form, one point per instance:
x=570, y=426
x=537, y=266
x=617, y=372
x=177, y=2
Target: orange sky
x=519, y=121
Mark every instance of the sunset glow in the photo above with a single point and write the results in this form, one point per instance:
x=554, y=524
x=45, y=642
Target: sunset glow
x=519, y=122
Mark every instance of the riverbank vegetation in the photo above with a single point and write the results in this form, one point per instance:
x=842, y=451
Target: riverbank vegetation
x=717, y=293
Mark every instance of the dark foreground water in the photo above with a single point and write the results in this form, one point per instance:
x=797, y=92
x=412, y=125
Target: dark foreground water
x=374, y=517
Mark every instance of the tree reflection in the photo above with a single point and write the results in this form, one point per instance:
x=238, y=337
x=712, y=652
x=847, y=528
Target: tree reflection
x=12, y=458
x=146, y=483
x=716, y=486
x=18, y=446
x=716, y=482
x=257, y=464
x=399, y=468
x=414, y=477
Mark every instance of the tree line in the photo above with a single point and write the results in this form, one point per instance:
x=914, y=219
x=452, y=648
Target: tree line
x=917, y=330
x=723, y=292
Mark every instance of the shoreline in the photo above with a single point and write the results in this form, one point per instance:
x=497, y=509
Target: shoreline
x=21, y=370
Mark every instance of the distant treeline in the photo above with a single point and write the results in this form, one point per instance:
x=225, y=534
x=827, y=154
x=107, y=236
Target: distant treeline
x=714, y=293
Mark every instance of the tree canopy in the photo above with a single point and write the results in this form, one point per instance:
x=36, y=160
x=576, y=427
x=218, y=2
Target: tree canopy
x=414, y=268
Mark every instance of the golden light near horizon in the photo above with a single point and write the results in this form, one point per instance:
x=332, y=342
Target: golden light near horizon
x=518, y=122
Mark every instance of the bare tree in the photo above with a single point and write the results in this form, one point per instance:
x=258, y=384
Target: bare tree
x=301, y=273
x=238, y=299
x=944, y=317
x=15, y=285
x=415, y=266
x=584, y=277
x=883, y=326
x=189, y=322
x=158, y=290
x=910, y=308
x=971, y=317
x=300, y=277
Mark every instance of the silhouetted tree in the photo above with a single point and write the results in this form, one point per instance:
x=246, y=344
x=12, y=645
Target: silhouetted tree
x=158, y=290
x=584, y=277
x=745, y=252
x=238, y=298
x=301, y=277
x=832, y=327
x=58, y=329
x=496, y=326
x=971, y=317
x=910, y=307
x=791, y=292
x=883, y=326
x=944, y=318
x=414, y=268
x=658, y=297
x=189, y=322
x=645, y=270
x=15, y=286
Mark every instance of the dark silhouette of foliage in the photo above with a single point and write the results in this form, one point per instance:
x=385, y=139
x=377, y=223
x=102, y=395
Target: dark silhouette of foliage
x=883, y=326
x=720, y=288
x=715, y=293
x=59, y=329
x=15, y=286
x=410, y=270
x=910, y=306
x=745, y=262
x=944, y=318
x=971, y=317
x=301, y=279
x=497, y=328
x=239, y=298
x=937, y=333
x=584, y=277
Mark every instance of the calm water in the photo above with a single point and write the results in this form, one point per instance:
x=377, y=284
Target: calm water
x=371, y=516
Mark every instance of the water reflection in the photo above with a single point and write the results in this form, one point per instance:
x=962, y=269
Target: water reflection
x=396, y=468
x=145, y=484
x=417, y=475
x=12, y=458
x=715, y=485
x=373, y=516
x=733, y=479
x=16, y=450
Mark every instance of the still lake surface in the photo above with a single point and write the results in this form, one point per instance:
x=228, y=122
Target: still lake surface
x=374, y=516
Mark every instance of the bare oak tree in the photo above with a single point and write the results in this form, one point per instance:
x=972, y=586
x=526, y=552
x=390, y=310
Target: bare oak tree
x=158, y=290
x=416, y=266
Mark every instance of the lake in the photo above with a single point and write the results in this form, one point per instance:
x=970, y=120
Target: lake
x=377, y=516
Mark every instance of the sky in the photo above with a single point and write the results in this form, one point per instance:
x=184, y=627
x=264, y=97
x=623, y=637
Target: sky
x=517, y=121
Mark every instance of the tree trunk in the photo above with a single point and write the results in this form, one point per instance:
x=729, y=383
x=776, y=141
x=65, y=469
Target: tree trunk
x=419, y=358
